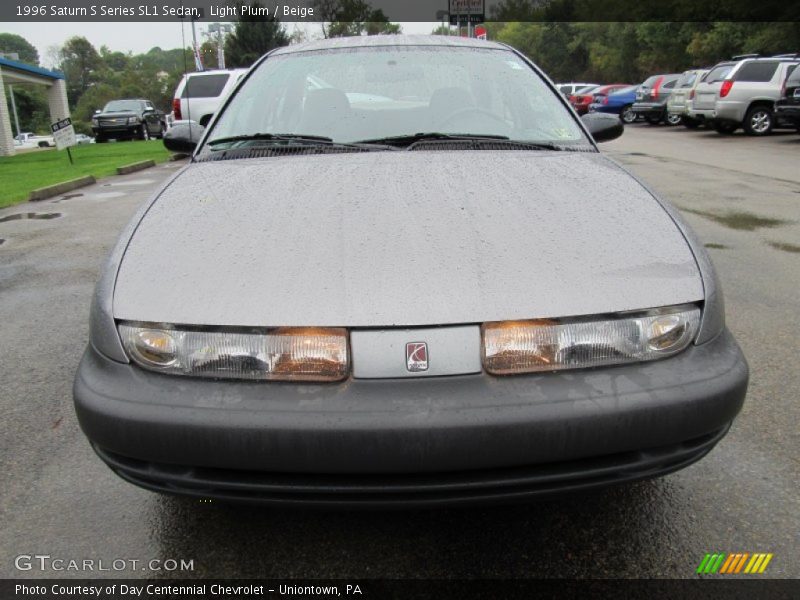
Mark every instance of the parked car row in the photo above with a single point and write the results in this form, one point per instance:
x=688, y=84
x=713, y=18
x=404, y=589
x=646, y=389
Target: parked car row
x=755, y=93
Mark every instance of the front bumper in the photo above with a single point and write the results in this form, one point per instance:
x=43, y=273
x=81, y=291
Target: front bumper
x=116, y=131
x=413, y=442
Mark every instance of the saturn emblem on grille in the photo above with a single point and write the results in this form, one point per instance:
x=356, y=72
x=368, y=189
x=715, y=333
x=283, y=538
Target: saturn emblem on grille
x=416, y=356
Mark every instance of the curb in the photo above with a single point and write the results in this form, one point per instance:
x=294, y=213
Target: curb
x=137, y=166
x=59, y=188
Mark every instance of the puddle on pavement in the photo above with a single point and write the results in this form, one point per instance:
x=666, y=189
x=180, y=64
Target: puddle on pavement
x=785, y=247
x=29, y=215
x=2, y=241
x=739, y=220
x=716, y=246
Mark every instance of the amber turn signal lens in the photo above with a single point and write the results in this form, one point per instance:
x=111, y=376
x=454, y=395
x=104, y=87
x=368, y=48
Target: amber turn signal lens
x=511, y=347
x=283, y=354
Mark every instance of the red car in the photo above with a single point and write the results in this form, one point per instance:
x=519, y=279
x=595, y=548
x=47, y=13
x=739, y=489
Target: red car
x=581, y=99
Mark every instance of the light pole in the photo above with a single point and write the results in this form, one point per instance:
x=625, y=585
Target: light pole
x=220, y=29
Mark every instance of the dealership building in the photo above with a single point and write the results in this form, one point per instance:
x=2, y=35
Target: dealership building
x=12, y=73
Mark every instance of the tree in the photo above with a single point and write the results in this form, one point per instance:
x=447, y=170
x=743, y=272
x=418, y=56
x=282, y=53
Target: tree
x=79, y=63
x=352, y=17
x=11, y=42
x=253, y=37
x=443, y=30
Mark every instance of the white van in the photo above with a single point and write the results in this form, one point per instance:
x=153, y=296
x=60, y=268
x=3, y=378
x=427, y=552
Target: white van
x=199, y=95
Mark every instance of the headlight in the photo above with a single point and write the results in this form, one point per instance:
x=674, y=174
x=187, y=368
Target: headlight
x=289, y=354
x=133, y=120
x=511, y=347
x=95, y=121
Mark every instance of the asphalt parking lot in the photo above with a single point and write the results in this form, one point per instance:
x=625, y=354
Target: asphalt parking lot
x=742, y=196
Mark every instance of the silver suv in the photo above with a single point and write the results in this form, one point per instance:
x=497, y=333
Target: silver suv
x=747, y=94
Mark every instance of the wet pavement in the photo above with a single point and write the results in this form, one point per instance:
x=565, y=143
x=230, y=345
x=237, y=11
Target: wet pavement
x=57, y=498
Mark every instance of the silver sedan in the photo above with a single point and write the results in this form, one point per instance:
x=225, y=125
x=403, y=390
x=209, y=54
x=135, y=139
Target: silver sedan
x=397, y=270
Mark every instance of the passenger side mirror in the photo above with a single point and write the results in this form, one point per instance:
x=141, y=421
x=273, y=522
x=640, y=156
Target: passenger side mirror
x=183, y=137
x=602, y=126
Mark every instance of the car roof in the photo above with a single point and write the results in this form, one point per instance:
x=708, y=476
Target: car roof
x=371, y=41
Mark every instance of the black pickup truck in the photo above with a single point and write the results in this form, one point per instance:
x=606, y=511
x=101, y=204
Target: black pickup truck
x=128, y=119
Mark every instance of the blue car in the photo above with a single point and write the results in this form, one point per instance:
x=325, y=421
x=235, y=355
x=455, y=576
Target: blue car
x=618, y=103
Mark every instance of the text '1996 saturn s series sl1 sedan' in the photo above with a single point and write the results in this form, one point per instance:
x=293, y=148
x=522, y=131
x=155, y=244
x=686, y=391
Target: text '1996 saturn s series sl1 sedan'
x=397, y=271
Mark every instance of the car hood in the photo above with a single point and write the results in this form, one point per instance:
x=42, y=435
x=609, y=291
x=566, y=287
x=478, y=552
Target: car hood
x=402, y=238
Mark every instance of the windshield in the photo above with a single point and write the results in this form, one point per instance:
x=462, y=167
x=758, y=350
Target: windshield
x=357, y=94
x=122, y=105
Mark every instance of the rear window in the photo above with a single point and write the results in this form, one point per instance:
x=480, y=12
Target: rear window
x=687, y=80
x=756, y=71
x=205, y=86
x=670, y=84
x=587, y=89
x=793, y=75
x=718, y=73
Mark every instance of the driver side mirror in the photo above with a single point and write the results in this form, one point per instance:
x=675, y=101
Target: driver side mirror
x=97, y=111
x=602, y=126
x=183, y=137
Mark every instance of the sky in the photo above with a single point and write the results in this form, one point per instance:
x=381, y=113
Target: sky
x=133, y=37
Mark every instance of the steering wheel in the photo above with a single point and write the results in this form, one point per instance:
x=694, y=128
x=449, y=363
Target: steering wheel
x=471, y=110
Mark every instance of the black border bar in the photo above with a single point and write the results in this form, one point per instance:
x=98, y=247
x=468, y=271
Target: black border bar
x=419, y=589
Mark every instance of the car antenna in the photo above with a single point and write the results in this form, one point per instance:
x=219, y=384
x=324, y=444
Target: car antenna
x=186, y=89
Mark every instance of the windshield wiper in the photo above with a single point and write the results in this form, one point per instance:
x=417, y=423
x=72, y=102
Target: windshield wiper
x=277, y=137
x=299, y=139
x=430, y=135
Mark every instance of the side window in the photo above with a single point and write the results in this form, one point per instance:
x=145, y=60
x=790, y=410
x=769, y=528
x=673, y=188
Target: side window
x=205, y=86
x=756, y=71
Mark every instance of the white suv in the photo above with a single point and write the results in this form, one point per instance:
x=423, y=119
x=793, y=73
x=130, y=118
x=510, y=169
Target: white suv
x=747, y=95
x=199, y=95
